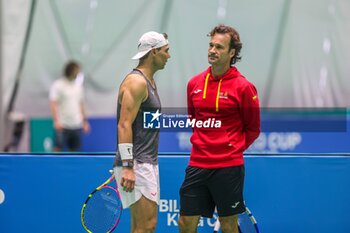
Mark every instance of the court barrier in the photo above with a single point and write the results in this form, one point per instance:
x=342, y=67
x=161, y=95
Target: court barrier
x=287, y=134
x=44, y=193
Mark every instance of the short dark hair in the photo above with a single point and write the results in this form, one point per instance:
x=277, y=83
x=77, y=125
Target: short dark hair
x=235, y=42
x=69, y=68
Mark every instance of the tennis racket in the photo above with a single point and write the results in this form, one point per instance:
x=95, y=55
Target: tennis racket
x=246, y=223
x=102, y=209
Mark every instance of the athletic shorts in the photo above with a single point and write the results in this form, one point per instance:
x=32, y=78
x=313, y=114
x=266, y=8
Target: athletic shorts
x=204, y=189
x=69, y=138
x=146, y=184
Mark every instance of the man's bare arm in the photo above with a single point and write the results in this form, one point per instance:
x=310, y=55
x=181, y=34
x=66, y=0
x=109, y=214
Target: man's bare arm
x=54, y=111
x=132, y=93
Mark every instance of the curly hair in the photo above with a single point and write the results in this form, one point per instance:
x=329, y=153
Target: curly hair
x=235, y=42
x=70, y=67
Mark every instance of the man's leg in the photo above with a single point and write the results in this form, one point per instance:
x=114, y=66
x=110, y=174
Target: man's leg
x=58, y=141
x=143, y=216
x=73, y=138
x=229, y=224
x=195, y=199
x=188, y=224
x=227, y=190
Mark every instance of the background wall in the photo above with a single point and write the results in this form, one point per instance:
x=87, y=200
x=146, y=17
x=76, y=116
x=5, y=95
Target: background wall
x=296, y=52
x=297, y=194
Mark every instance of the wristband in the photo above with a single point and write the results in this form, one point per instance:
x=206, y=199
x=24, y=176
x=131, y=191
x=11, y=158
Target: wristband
x=125, y=151
x=129, y=164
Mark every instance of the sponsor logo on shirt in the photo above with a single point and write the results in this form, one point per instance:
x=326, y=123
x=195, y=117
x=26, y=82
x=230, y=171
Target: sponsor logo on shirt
x=223, y=95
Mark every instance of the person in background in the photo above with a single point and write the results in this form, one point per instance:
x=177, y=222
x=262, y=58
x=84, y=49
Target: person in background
x=136, y=162
x=68, y=110
x=215, y=175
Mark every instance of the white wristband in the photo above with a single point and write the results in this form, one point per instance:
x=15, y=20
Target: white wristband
x=125, y=151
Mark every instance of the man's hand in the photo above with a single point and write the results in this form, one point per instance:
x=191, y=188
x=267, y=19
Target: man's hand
x=86, y=127
x=128, y=179
x=58, y=126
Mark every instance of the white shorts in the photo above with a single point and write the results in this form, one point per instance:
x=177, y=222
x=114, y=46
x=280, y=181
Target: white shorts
x=146, y=184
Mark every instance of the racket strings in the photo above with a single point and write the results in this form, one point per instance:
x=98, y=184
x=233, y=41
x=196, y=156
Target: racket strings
x=102, y=211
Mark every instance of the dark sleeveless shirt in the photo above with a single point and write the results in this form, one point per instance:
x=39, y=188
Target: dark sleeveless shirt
x=145, y=141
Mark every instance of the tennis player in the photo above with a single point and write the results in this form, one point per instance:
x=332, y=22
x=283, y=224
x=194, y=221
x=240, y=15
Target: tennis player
x=136, y=163
x=215, y=175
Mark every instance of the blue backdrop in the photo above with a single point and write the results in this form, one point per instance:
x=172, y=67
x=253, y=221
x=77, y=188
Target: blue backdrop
x=289, y=194
x=280, y=134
